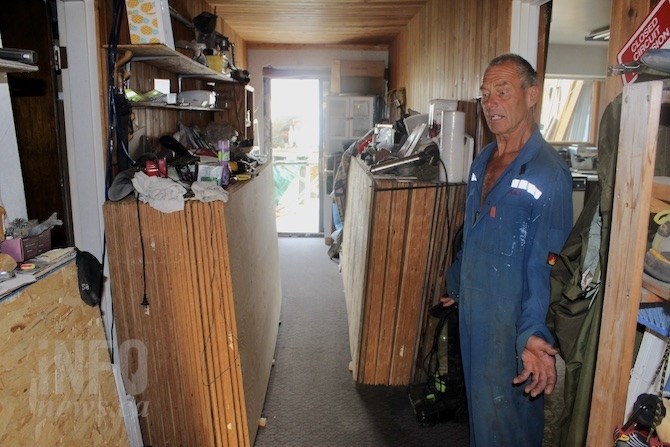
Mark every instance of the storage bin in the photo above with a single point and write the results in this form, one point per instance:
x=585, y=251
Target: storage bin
x=149, y=22
x=23, y=248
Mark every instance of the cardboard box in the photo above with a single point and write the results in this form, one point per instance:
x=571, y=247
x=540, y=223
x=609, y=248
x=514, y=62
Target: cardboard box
x=149, y=22
x=359, y=85
x=371, y=69
x=358, y=77
x=23, y=248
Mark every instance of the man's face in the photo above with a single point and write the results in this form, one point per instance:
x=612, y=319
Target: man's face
x=508, y=107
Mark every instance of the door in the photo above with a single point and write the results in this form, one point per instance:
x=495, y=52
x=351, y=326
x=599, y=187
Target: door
x=38, y=115
x=295, y=116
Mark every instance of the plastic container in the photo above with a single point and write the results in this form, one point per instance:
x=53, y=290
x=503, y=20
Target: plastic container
x=223, y=152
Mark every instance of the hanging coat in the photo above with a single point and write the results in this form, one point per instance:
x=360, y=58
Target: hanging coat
x=500, y=279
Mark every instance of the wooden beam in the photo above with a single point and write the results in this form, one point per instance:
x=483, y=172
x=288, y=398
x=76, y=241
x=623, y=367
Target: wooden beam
x=628, y=242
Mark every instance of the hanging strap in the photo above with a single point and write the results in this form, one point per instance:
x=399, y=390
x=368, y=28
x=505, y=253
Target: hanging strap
x=662, y=369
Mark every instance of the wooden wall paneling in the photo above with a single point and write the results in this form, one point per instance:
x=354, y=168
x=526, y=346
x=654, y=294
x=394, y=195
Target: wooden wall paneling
x=58, y=386
x=444, y=49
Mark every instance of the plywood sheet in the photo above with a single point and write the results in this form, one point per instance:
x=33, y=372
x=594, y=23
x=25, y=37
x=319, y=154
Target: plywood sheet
x=392, y=262
x=186, y=325
x=355, y=245
x=57, y=383
x=254, y=269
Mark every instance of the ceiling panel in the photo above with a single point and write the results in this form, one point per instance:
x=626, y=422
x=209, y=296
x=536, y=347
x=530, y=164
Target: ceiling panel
x=374, y=21
x=317, y=21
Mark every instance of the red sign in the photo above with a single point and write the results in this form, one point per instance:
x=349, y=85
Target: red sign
x=653, y=33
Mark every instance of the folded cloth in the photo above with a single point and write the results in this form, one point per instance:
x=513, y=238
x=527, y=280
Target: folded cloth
x=162, y=194
x=208, y=192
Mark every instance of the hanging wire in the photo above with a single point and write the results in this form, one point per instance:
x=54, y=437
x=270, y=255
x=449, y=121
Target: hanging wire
x=658, y=411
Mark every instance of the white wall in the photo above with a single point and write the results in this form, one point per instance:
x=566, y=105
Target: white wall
x=573, y=61
x=296, y=59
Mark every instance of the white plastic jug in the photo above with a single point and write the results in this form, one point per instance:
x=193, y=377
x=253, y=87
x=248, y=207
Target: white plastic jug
x=456, y=148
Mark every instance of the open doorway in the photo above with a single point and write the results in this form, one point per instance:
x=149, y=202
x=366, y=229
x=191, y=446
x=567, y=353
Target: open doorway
x=295, y=115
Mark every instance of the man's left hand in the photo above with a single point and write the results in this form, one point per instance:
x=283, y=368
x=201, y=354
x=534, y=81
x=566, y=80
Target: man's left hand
x=539, y=364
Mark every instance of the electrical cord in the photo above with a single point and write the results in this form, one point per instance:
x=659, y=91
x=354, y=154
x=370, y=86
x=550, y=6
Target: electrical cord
x=145, y=302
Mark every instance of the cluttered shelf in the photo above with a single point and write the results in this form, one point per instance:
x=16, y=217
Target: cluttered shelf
x=162, y=105
x=163, y=57
x=29, y=271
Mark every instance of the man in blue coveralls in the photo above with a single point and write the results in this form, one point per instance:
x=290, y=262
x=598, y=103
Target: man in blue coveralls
x=518, y=214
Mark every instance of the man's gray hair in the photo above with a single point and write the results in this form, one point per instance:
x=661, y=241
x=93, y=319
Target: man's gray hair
x=526, y=71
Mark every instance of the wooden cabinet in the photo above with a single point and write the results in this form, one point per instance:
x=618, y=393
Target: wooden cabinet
x=347, y=118
x=205, y=335
x=628, y=244
x=396, y=244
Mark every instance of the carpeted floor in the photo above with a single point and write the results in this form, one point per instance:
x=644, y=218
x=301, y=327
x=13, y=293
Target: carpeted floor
x=312, y=399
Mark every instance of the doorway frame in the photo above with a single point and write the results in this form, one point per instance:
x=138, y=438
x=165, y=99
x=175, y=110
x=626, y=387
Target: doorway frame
x=323, y=76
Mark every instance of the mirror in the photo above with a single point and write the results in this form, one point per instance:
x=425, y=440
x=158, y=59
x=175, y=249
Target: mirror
x=570, y=110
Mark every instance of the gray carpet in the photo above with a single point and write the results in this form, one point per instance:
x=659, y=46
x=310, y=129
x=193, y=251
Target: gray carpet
x=312, y=399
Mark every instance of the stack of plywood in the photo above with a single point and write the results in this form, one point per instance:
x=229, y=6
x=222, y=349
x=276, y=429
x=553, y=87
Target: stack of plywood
x=396, y=243
x=57, y=384
x=175, y=313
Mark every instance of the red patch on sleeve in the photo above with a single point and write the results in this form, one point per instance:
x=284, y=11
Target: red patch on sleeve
x=551, y=258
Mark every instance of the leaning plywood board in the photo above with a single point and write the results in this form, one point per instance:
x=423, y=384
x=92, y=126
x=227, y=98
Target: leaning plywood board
x=186, y=326
x=391, y=256
x=254, y=269
x=354, y=249
x=57, y=383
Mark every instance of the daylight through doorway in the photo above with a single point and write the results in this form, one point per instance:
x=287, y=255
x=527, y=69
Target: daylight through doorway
x=295, y=153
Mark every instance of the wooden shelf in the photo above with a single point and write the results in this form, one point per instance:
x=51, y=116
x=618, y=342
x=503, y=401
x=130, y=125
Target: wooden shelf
x=162, y=105
x=165, y=58
x=626, y=285
x=8, y=66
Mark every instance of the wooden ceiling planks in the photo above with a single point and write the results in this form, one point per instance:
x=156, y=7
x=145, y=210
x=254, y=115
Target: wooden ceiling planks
x=317, y=22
